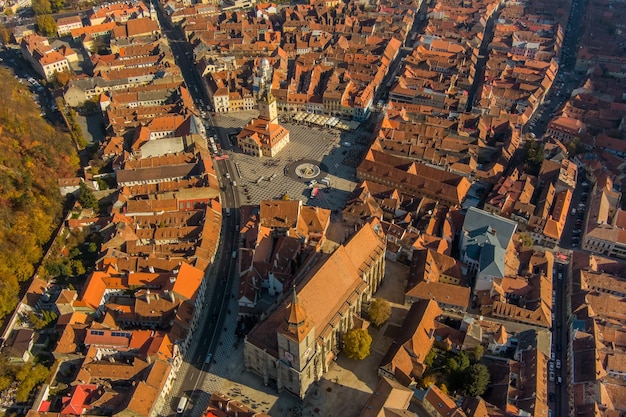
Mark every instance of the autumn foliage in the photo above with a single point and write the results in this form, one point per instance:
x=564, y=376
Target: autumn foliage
x=379, y=311
x=356, y=344
x=34, y=155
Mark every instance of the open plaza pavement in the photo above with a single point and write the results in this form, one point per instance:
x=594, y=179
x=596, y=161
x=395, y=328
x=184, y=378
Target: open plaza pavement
x=336, y=152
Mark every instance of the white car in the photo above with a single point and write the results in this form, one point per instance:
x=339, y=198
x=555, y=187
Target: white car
x=558, y=364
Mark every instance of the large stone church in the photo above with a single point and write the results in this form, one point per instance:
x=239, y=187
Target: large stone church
x=295, y=345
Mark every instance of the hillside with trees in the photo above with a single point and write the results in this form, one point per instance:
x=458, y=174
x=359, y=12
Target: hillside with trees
x=34, y=155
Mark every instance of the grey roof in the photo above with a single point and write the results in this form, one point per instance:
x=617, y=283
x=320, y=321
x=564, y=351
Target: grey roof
x=492, y=260
x=158, y=147
x=477, y=221
x=534, y=338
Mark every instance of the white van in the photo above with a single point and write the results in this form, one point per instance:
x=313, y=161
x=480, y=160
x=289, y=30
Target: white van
x=182, y=404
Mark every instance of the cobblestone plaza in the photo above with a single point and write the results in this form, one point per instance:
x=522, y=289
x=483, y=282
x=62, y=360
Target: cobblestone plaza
x=334, y=152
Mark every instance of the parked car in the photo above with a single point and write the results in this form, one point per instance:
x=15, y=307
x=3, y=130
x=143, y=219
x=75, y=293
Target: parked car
x=558, y=364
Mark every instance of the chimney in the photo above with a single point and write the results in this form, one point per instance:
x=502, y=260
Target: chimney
x=148, y=296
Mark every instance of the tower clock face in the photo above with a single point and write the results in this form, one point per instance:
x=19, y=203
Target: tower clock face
x=289, y=356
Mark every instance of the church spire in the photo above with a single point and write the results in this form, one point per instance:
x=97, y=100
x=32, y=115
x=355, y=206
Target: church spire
x=294, y=298
x=297, y=322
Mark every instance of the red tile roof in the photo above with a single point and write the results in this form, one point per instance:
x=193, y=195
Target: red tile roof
x=76, y=403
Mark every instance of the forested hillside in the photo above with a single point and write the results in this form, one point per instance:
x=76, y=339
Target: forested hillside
x=33, y=155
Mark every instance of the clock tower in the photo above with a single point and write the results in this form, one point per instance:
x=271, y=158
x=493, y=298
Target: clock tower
x=296, y=336
x=267, y=107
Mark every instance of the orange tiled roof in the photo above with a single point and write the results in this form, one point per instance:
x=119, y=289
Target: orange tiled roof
x=188, y=281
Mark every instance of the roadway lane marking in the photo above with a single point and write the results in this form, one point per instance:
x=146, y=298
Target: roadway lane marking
x=191, y=377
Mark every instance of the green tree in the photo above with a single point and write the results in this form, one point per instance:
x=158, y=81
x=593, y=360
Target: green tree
x=77, y=267
x=478, y=352
x=92, y=248
x=75, y=252
x=533, y=156
x=46, y=24
x=476, y=380
x=102, y=184
x=452, y=365
x=526, y=240
x=42, y=7
x=30, y=377
x=57, y=5
x=47, y=317
x=357, y=343
x=463, y=361
x=379, y=311
x=65, y=266
x=430, y=358
x=53, y=268
x=86, y=197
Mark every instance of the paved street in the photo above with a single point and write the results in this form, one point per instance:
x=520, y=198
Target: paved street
x=560, y=337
